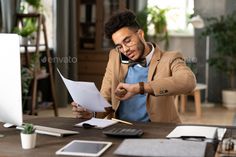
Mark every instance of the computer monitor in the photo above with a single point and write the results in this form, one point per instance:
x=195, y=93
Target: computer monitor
x=10, y=80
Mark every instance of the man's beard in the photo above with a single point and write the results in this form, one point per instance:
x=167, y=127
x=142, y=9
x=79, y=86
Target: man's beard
x=141, y=48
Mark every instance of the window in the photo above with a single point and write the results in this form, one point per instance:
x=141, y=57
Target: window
x=177, y=16
x=48, y=10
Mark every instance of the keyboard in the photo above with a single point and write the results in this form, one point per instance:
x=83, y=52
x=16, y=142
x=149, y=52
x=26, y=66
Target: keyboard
x=124, y=132
x=51, y=131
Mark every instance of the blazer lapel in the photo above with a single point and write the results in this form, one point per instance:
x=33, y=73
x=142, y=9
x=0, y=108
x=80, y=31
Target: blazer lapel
x=123, y=71
x=152, y=67
x=153, y=64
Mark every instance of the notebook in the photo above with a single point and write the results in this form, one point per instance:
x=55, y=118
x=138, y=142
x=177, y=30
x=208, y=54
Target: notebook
x=193, y=131
x=98, y=123
x=51, y=131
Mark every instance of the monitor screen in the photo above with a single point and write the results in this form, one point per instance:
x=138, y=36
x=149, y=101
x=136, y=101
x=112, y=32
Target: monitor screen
x=10, y=80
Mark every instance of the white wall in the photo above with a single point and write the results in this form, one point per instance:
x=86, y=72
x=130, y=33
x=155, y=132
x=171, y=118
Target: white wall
x=183, y=44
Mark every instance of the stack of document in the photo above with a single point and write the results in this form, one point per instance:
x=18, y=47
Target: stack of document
x=187, y=131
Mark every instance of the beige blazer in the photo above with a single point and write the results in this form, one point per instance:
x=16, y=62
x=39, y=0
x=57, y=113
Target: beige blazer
x=168, y=76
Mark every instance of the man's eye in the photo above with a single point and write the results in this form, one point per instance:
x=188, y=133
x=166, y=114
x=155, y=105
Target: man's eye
x=118, y=47
x=127, y=41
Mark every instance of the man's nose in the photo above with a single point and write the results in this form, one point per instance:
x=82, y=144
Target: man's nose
x=125, y=48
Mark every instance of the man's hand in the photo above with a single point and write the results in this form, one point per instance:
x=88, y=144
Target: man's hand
x=125, y=91
x=120, y=92
x=80, y=112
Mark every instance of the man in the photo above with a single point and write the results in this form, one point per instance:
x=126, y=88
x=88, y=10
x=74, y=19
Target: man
x=140, y=92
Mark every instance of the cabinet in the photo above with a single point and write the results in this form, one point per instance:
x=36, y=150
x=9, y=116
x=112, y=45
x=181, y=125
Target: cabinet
x=37, y=72
x=93, y=47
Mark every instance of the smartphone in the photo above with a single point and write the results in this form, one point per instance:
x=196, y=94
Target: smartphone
x=124, y=59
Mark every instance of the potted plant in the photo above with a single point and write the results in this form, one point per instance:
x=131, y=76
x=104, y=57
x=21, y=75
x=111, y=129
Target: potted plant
x=222, y=30
x=157, y=17
x=25, y=31
x=34, y=6
x=28, y=27
x=28, y=136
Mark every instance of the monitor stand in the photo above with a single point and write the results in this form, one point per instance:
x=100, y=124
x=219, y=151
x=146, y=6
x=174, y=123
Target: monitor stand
x=8, y=125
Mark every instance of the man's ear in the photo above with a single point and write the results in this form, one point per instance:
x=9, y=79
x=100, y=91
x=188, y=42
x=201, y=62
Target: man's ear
x=141, y=34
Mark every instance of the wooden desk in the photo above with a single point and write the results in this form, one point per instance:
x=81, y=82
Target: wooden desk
x=46, y=146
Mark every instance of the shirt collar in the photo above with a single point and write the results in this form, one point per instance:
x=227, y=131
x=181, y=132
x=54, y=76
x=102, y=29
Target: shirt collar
x=149, y=56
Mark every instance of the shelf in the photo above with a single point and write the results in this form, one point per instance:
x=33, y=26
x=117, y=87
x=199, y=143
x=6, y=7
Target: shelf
x=87, y=43
x=36, y=69
x=42, y=75
x=93, y=48
x=32, y=45
x=88, y=23
x=32, y=49
x=88, y=2
x=30, y=15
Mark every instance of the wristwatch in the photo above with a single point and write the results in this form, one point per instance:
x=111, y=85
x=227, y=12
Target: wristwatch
x=141, y=87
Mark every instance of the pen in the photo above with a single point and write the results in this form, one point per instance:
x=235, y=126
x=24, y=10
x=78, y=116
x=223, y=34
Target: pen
x=122, y=121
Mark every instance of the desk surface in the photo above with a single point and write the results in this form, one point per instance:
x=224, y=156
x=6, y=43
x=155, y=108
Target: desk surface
x=10, y=144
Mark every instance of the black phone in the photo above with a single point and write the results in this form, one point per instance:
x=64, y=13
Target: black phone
x=124, y=59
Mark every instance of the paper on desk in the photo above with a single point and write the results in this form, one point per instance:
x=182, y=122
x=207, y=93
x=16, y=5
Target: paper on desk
x=85, y=94
x=98, y=123
x=220, y=133
x=193, y=131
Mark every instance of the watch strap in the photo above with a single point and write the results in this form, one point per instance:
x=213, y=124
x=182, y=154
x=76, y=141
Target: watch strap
x=141, y=87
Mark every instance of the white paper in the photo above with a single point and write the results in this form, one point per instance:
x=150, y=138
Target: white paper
x=220, y=133
x=86, y=95
x=193, y=131
x=98, y=123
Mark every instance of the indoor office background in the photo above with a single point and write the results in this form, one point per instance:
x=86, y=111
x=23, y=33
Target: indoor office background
x=84, y=59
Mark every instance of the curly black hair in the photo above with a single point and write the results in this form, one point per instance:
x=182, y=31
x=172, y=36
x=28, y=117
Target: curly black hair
x=122, y=19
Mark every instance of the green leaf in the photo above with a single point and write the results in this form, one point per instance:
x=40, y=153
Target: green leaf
x=28, y=128
x=222, y=32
